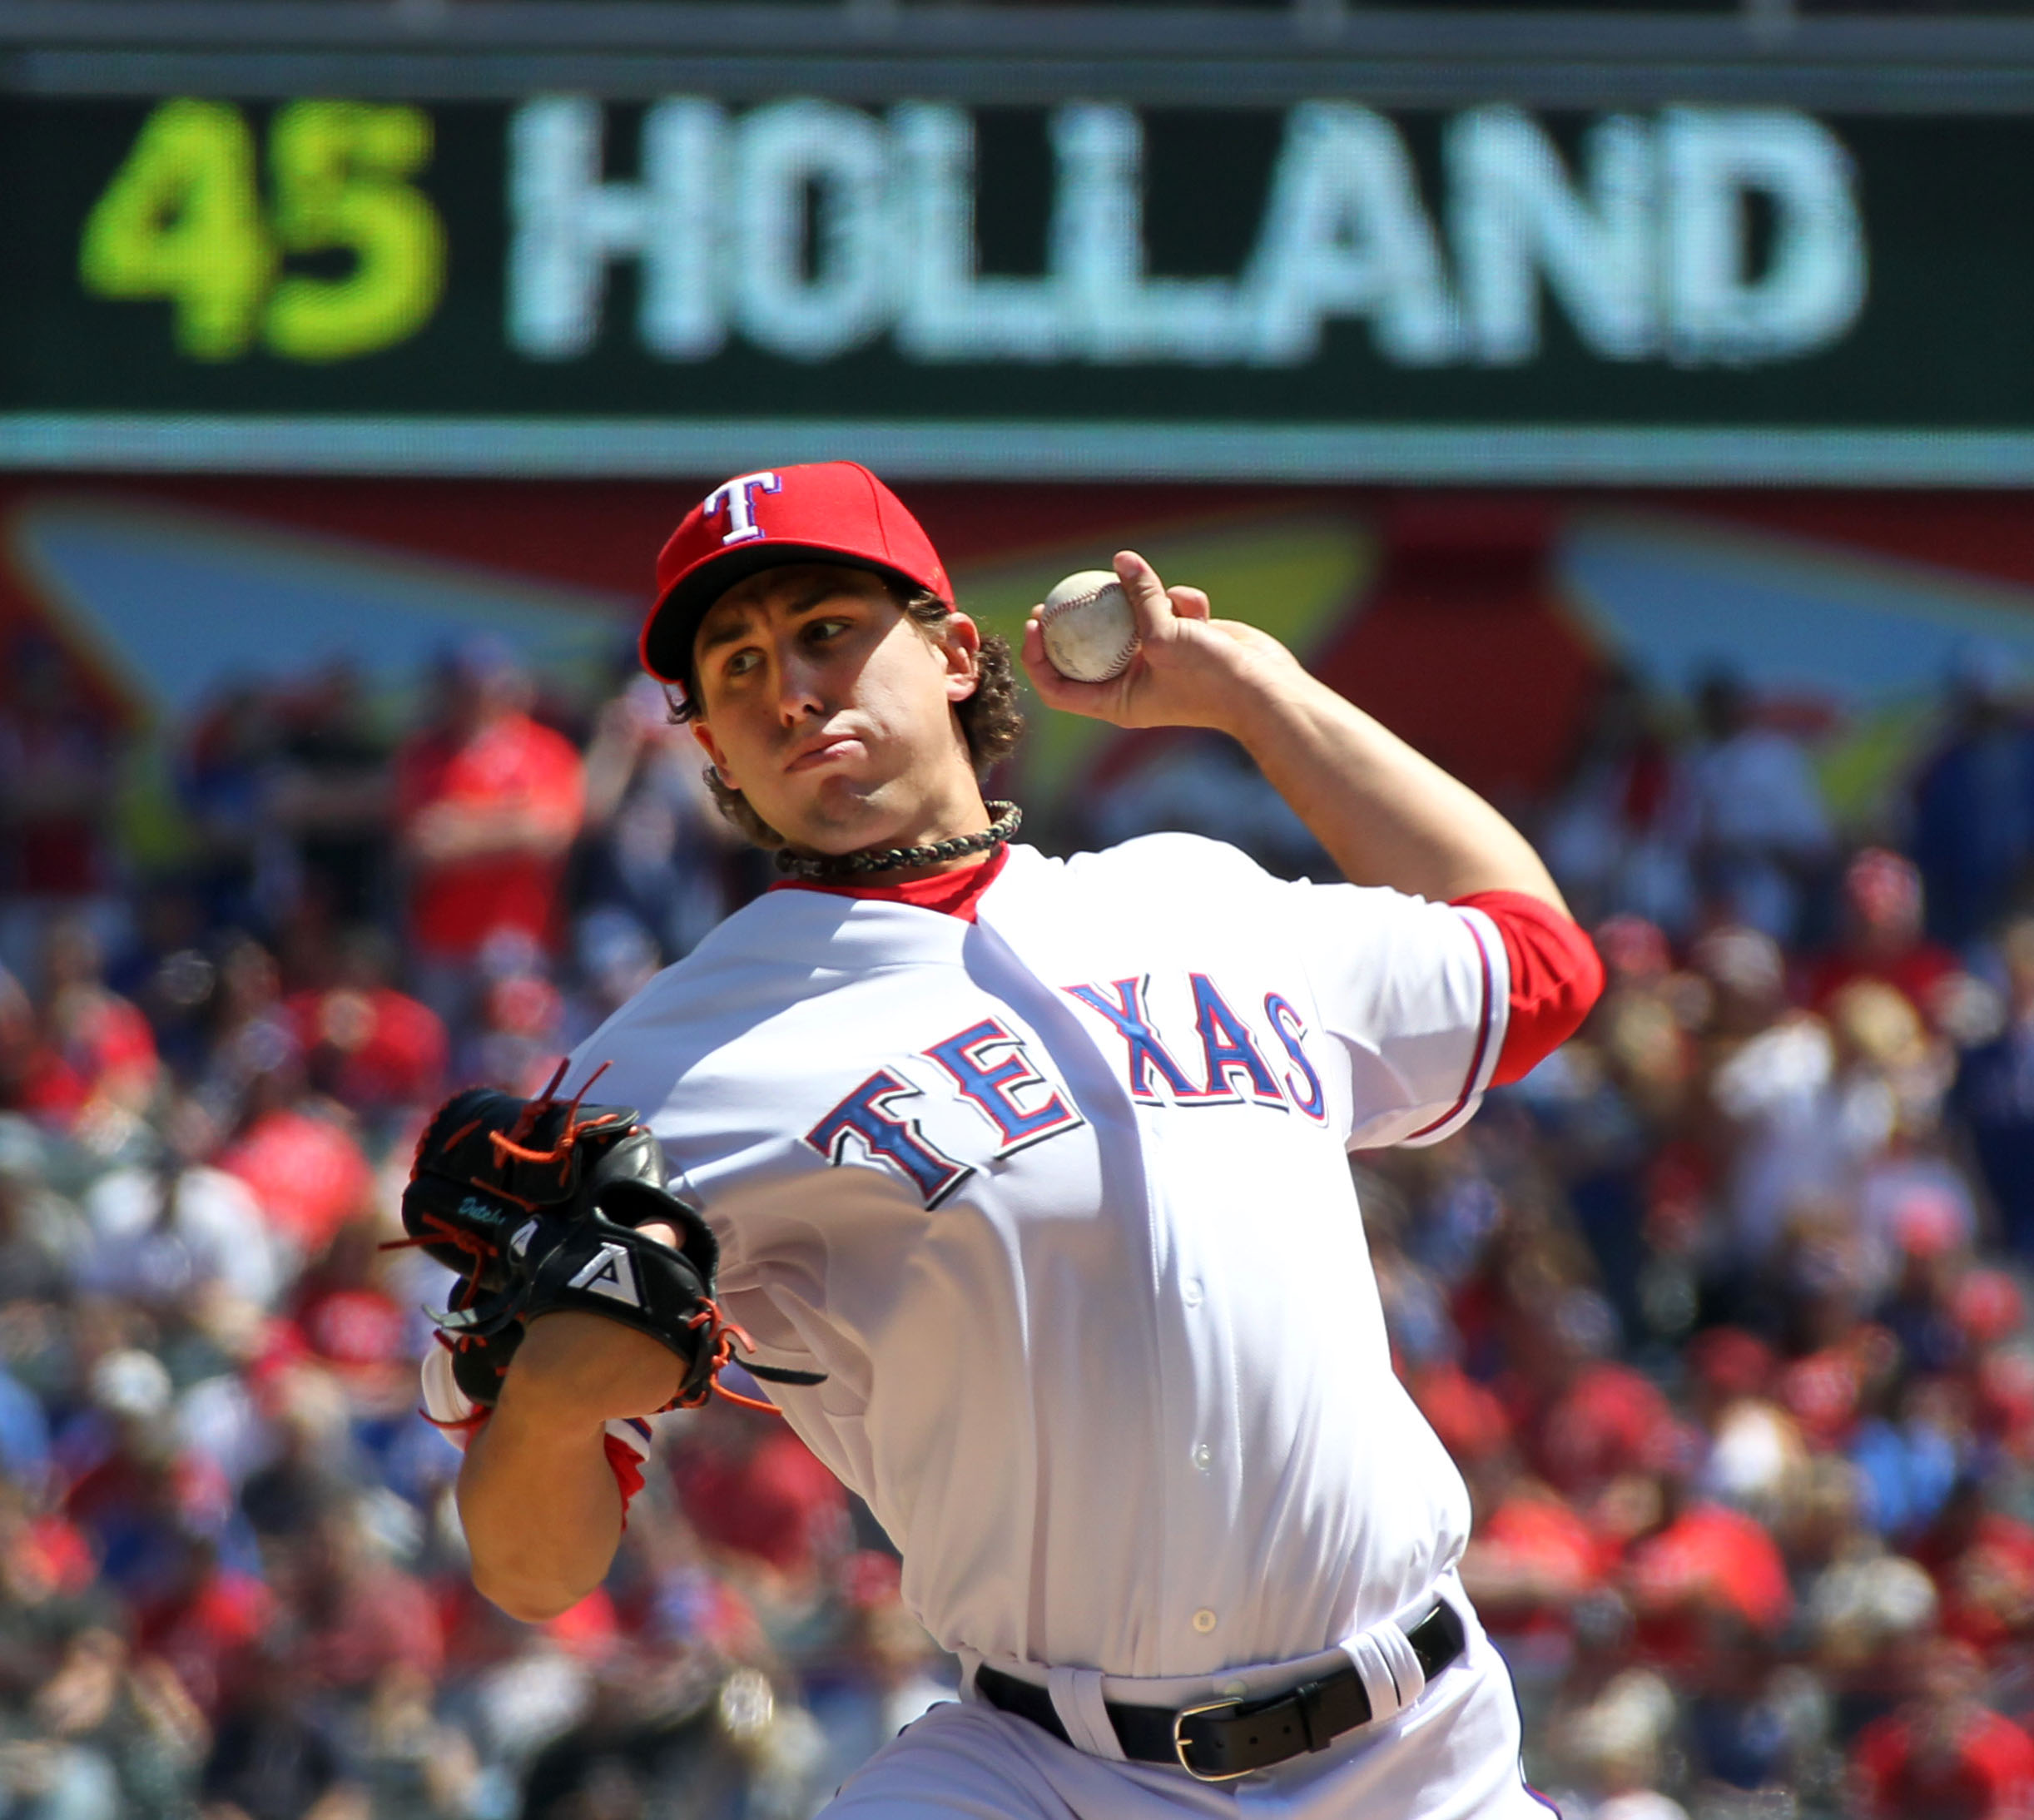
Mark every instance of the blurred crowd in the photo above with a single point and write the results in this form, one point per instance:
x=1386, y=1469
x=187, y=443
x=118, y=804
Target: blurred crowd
x=1723, y=1311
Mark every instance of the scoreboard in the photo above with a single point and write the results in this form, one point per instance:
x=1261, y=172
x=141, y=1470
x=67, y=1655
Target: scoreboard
x=1322, y=287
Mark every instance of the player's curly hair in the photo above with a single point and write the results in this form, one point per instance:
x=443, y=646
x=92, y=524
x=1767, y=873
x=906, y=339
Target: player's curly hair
x=990, y=720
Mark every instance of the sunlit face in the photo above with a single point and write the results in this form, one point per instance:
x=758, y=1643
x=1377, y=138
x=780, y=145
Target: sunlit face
x=831, y=712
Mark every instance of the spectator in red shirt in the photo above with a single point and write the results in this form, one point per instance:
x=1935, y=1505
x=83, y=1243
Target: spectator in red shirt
x=92, y=1052
x=359, y=1613
x=1532, y=1562
x=520, y=1035
x=1610, y=1420
x=1706, y=1588
x=488, y=803
x=301, y=1158
x=759, y=1494
x=350, y=1324
x=1946, y=1755
x=375, y=1050
x=206, y=1616
x=1981, y=1559
x=1882, y=938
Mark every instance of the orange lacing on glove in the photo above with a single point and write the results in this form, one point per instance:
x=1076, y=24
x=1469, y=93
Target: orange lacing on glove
x=443, y=1231
x=722, y=1336
x=509, y=1143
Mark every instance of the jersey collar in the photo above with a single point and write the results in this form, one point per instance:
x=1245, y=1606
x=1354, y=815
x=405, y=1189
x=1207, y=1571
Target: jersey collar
x=952, y=894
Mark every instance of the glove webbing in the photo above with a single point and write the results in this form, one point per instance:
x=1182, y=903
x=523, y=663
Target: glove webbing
x=507, y=1145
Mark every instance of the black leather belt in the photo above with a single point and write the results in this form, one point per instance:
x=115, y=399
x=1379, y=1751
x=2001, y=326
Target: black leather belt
x=1218, y=1740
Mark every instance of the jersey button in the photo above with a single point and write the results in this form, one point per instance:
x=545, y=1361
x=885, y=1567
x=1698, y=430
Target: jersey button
x=1203, y=1620
x=1204, y=1457
x=1190, y=1293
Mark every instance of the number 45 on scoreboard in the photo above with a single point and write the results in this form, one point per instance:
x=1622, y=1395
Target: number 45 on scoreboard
x=182, y=219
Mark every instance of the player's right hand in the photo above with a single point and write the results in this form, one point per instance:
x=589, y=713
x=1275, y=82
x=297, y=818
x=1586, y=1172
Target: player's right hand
x=1190, y=670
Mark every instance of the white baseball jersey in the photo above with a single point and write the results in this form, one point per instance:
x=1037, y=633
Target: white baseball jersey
x=1059, y=1200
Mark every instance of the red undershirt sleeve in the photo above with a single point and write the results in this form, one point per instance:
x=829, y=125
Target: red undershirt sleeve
x=624, y=1460
x=1555, y=978
x=627, y=1465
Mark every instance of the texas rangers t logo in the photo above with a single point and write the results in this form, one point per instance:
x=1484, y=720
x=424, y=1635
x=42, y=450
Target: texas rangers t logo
x=737, y=498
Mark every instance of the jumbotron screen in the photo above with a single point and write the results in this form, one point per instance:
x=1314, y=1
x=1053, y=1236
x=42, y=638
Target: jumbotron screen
x=564, y=284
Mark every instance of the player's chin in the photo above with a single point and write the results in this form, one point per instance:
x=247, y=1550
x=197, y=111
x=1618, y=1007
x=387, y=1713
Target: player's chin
x=836, y=814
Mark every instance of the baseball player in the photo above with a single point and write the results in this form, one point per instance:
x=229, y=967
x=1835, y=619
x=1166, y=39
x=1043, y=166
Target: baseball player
x=1026, y=1182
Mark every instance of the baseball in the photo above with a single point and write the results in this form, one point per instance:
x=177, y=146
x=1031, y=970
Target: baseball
x=1090, y=632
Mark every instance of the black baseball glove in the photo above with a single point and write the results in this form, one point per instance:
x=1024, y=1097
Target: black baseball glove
x=539, y=1203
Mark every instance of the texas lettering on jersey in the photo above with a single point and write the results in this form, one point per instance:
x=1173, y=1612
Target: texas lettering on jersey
x=1233, y=1064
x=992, y=1070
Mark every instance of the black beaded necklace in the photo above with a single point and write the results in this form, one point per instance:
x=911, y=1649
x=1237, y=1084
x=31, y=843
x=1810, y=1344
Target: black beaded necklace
x=832, y=867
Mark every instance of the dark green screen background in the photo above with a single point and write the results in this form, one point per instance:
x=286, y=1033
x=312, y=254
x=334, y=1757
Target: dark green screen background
x=1944, y=340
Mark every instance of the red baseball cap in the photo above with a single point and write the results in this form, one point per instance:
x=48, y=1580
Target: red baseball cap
x=822, y=511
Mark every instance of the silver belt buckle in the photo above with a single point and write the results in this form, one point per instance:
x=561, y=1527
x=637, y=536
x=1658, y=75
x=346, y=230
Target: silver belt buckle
x=1179, y=1744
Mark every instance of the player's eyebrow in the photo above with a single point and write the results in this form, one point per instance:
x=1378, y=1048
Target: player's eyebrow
x=816, y=594
x=731, y=630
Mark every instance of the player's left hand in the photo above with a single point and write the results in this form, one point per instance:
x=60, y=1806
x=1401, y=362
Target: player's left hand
x=1190, y=670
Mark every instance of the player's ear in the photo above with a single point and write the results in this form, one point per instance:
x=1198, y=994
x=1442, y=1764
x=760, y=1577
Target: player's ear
x=711, y=748
x=960, y=645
